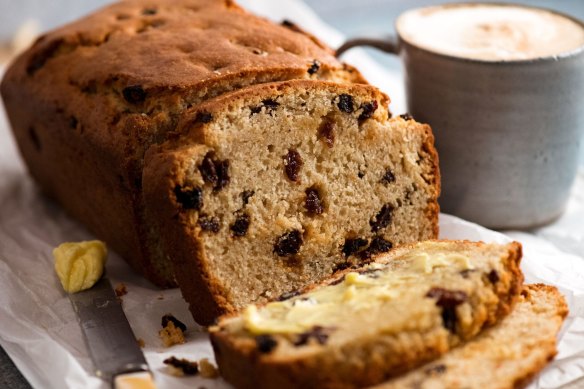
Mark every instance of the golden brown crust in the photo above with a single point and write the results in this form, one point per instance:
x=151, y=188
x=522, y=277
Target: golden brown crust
x=508, y=296
x=433, y=210
x=355, y=366
x=173, y=44
x=548, y=346
x=88, y=99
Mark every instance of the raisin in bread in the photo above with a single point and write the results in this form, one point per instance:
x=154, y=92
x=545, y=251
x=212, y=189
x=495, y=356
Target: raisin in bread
x=506, y=356
x=363, y=325
x=88, y=99
x=276, y=186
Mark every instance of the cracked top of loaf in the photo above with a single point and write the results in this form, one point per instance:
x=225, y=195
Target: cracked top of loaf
x=136, y=65
x=177, y=44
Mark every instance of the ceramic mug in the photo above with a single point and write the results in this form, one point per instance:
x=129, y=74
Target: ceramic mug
x=508, y=132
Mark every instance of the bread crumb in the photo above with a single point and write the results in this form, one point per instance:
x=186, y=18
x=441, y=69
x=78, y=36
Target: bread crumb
x=181, y=367
x=171, y=335
x=141, y=342
x=121, y=290
x=177, y=323
x=207, y=369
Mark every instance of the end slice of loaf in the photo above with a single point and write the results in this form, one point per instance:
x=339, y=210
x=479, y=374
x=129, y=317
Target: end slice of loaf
x=506, y=356
x=364, y=325
x=276, y=186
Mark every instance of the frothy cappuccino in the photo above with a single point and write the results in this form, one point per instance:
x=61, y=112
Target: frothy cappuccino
x=491, y=32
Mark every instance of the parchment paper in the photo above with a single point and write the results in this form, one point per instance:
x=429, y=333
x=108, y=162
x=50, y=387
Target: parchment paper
x=38, y=327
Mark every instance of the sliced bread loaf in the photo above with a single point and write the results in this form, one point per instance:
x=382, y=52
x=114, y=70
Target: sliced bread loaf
x=88, y=99
x=505, y=356
x=364, y=325
x=276, y=186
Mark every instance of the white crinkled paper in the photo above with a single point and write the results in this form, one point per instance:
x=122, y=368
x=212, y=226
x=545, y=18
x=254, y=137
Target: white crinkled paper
x=38, y=327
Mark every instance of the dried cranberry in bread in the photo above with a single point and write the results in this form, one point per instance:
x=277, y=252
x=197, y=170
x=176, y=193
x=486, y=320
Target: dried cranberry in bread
x=88, y=99
x=410, y=305
x=506, y=356
x=276, y=186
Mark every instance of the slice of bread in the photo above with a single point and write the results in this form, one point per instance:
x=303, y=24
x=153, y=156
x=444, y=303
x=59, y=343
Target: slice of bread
x=505, y=356
x=364, y=325
x=276, y=186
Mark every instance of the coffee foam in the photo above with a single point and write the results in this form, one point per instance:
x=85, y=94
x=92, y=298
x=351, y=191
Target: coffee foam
x=491, y=32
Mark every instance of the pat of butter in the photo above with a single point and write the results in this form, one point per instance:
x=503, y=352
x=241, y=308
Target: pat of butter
x=80, y=265
x=329, y=305
x=354, y=278
x=426, y=263
x=350, y=292
x=366, y=298
x=256, y=324
x=322, y=307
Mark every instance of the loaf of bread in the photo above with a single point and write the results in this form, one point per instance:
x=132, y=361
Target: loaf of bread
x=506, y=356
x=88, y=99
x=278, y=185
x=363, y=325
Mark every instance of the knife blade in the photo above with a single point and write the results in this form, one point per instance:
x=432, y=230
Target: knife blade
x=113, y=348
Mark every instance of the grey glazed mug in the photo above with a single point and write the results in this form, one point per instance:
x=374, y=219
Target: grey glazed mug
x=508, y=133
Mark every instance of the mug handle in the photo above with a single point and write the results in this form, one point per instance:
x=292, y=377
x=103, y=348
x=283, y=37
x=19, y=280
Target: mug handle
x=389, y=45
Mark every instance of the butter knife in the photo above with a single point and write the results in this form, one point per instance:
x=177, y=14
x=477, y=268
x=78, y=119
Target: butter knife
x=113, y=348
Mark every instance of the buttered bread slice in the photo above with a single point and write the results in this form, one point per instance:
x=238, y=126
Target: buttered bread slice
x=367, y=324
